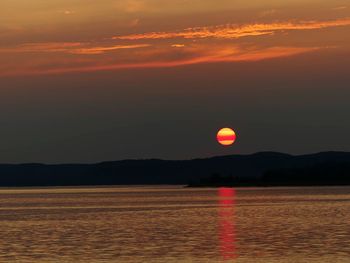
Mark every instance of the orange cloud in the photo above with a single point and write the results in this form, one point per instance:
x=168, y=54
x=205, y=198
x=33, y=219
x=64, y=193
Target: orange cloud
x=339, y=8
x=42, y=47
x=68, y=47
x=227, y=54
x=178, y=45
x=233, y=31
x=99, y=50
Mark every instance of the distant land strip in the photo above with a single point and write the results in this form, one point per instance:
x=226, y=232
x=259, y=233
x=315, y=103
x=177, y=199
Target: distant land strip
x=259, y=169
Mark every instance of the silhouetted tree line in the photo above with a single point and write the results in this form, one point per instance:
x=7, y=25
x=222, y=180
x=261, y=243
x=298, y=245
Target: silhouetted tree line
x=327, y=173
x=321, y=174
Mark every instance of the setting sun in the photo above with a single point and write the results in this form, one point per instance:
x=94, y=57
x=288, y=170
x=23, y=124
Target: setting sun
x=226, y=136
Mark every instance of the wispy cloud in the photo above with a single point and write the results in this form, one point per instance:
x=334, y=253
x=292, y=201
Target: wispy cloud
x=68, y=47
x=124, y=52
x=178, y=45
x=100, y=50
x=340, y=8
x=218, y=55
x=68, y=12
x=42, y=47
x=230, y=31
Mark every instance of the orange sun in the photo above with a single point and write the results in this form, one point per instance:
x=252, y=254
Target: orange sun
x=226, y=136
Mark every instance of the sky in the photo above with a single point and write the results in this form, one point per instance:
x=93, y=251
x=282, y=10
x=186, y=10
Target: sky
x=89, y=81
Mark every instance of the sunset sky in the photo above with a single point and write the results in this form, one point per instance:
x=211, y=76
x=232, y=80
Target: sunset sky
x=87, y=81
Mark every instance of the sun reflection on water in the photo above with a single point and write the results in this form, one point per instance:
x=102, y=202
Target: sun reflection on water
x=227, y=232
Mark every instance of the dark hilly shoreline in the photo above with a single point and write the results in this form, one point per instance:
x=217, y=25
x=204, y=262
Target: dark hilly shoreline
x=259, y=169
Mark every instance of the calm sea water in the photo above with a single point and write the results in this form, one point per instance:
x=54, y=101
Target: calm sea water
x=174, y=224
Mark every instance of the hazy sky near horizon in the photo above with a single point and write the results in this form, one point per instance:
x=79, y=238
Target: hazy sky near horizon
x=86, y=81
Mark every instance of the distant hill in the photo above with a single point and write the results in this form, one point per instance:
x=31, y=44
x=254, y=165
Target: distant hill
x=260, y=168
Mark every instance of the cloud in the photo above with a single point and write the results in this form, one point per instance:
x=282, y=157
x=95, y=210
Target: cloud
x=99, y=50
x=339, y=8
x=230, y=31
x=68, y=12
x=178, y=45
x=194, y=56
x=68, y=47
x=42, y=47
x=69, y=57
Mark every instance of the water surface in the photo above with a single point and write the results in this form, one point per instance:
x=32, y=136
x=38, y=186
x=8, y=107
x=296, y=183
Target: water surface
x=175, y=224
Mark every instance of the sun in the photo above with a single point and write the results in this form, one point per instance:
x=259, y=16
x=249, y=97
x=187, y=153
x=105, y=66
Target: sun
x=226, y=136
